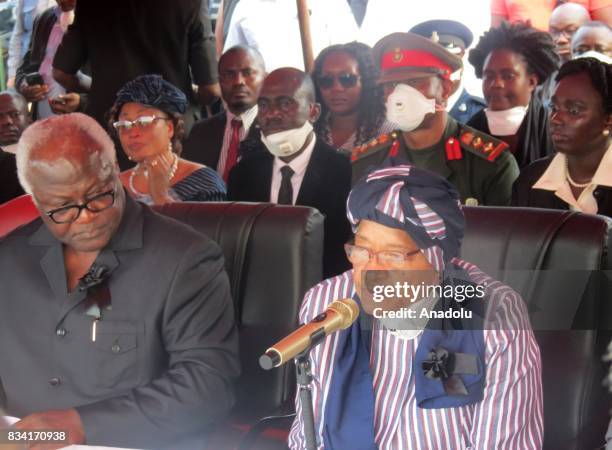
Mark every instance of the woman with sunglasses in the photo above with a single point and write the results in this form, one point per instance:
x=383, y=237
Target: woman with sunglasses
x=352, y=105
x=147, y=116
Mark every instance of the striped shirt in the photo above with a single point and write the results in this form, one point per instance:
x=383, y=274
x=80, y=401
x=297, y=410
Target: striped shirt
x=247, y=118
x=508, y=418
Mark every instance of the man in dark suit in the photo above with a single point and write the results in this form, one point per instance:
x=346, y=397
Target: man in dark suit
x=297, y=168
x=117, y=320
x=215, y=141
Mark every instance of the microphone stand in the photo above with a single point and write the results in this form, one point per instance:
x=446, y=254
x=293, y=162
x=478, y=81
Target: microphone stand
x=304, y=379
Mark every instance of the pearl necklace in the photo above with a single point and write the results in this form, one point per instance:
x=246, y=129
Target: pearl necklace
x=173, y=169
x=572, y=182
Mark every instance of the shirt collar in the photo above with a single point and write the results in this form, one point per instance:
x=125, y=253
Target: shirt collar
x=554, y=179
x=247, y=117
x=299, y=164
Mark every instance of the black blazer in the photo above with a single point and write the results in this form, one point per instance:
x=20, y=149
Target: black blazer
x=524, y=195
x=206, y=139
x=326, y=185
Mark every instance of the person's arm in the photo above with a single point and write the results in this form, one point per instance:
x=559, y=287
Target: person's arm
x=510, y=416
x=36, y=92
x=14, y=50
x=71, y=55
x=202, y=60
x=499, y=12
x=499, y=185
x=219, y=30
x=195, y=391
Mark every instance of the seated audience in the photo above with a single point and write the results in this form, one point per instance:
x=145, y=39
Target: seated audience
x=14, y=119
x=593, y=37
x=456, y=38
x=352, y=105
x=215, y=141
x=512, y=61
x=579, y=176
x=415, y=75
x=147, y=116
x=386, y=382
x=292, y=166
x=119, y=320
x=49, y=97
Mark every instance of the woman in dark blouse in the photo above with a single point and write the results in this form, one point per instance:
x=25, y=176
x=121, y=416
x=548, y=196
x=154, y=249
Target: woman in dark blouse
x=579, y=176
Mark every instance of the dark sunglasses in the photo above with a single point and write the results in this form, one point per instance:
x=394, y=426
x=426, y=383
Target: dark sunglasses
x=346, y=80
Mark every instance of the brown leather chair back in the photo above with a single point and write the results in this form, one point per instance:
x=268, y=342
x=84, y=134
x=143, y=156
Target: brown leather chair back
x=558, y=261
x=273, y=255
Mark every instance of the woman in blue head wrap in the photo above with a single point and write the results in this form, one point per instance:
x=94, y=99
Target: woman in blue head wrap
x=147, y=117
x=398, y=379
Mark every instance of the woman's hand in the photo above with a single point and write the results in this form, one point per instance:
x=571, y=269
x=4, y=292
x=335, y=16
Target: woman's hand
x=161, y=169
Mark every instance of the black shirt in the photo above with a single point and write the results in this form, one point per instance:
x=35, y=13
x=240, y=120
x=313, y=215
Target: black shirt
x=123, y=39
x=9, y=184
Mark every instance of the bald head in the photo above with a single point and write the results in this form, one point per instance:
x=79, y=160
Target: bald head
x=564, y=21
x=593, y=36
x=287, y=101
x=62, y=149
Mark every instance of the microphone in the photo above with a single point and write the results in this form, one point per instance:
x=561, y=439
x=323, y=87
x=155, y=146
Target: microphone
x=338, y=316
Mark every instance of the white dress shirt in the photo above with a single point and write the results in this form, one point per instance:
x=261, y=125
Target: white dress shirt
x=247, y=118
x=298, y=165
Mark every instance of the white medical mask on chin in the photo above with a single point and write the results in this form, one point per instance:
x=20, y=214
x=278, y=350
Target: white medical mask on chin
x=507, y=121
x=407, y=107
x=286, y=143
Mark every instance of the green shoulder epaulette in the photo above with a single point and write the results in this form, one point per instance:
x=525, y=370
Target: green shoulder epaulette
x=481, y=144
x=373, y=146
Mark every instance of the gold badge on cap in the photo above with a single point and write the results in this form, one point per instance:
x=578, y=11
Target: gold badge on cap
x=397, y=54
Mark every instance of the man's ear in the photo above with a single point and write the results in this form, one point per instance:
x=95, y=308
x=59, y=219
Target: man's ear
x=315, y=112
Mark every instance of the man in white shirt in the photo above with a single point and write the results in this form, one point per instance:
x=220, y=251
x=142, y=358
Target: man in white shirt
x=293, y=166
x=272, y=27
x=215, y=141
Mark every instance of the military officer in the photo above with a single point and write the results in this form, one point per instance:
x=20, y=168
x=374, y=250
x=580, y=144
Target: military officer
x=415, y=75
x=456, y=38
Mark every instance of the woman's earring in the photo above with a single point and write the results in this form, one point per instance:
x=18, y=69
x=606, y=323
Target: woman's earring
x=170, y=148
x=606, y=132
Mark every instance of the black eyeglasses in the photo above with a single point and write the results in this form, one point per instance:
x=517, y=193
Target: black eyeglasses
x=346, y=80
x=70, y=213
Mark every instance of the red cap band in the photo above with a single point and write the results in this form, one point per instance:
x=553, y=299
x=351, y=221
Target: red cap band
x=413, y=58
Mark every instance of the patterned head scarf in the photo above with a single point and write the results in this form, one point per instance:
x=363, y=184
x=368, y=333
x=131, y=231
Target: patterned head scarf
x=153, y=90
x=423, y=204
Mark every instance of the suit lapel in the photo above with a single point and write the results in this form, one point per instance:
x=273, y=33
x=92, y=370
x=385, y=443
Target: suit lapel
x=312, y=177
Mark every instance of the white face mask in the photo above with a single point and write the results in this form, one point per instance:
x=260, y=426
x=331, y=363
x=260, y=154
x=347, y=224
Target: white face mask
x=407, y=107
x=505, y=122
x=593, y=54
x=286, y=143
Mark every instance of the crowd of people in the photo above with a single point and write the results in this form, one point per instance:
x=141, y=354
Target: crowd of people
x=112, y=109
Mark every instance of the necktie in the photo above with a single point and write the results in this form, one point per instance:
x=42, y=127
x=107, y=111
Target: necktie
x=285, y=193
x=232, y=153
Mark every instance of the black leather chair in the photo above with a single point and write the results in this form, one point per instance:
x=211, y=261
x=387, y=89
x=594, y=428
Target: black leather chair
x=558, y=261
x=273, y=255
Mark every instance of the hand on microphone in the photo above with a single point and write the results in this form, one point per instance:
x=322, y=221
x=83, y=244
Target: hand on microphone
x=338, y=316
